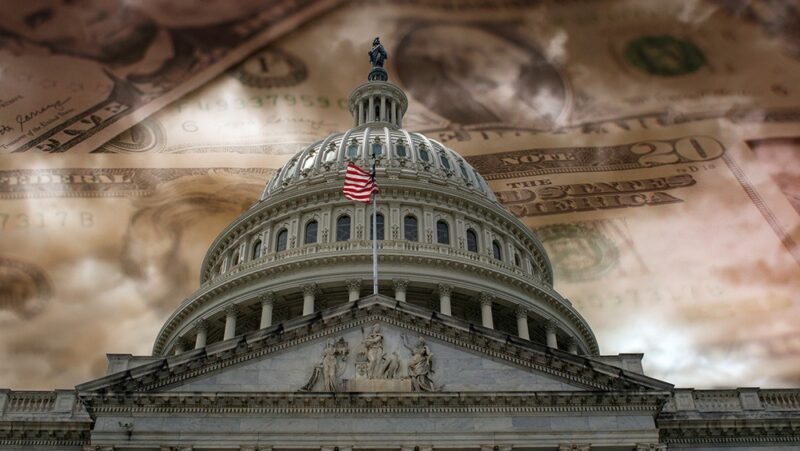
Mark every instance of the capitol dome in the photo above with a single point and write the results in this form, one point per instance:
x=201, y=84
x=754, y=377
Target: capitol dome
x=445, y=243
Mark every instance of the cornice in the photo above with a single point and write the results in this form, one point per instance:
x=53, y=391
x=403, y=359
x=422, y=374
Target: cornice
x=376, y=403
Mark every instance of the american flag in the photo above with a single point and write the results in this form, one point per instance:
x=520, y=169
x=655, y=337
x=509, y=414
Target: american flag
x=359, y=185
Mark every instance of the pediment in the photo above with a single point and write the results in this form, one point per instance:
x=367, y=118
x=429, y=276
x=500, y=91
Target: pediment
x=375, y=345
x=375, y=356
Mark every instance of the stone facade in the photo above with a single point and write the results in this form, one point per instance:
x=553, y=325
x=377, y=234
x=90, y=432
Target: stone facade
x=466, y=345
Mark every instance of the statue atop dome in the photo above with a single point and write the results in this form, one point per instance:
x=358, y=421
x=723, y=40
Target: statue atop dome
x=377, y=57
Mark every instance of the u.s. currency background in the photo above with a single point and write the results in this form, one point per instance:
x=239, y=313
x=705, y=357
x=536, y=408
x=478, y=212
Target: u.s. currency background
x=118, y=62
x=655, y=160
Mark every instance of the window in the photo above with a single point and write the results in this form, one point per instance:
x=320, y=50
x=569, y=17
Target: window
x=464, y=173
x=496, y=251
x=311, y=232
x=309, y=161
x=424, y=155
x=517, y=261
x=352, y=150
x=377, y=149
x=330, y=154
x=400, y=149
x=280, y=240
x=442, y=232
x=257, y=249
x=290, y=169
x=410, y=228
x=235, y=259
x=379, y=221
x=343, y=228
x=481, y=185
x=472, y=241
x=445, y=162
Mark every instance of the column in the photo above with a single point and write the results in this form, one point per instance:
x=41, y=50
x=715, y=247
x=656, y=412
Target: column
x=572, y=346
x=393, y=106
x=201, y=326
x=180, y=346
x=371, y=109
x=353, y=289
x=522, y=323
x=360, y=118
x=550, y=331
x=400, y=286
x=383, y=108
x=486, y=310
x=309, y=291
x=267, y=301
x=230, y=321
x=444, y=299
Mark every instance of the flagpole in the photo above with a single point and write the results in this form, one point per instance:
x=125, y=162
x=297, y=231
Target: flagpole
x=374, y=234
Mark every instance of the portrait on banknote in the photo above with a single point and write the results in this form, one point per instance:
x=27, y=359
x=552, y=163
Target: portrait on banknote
x=474, y=74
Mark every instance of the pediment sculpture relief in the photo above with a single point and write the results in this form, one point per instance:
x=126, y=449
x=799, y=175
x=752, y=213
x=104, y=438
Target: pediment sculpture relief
x=329, y=370
x=375, y=369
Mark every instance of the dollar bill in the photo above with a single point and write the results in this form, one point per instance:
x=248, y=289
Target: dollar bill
x=482, y=71
x=76, y=74
x=92, y=259
x=679, y=242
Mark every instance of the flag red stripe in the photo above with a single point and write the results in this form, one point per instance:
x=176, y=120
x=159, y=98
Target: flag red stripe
x=359, y=185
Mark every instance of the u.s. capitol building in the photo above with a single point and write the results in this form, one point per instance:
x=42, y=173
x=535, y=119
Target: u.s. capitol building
x=466, y=346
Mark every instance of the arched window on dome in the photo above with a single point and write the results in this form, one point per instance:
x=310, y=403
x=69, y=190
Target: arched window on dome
x=256, y=250
x=352, y=149
x=379, y=221
x=424, y=154
x=311, y=232
x=481, y=185
x=445, y=161
x=497, y=251
x=330, y=154
x=309, y=161
x=400, y=149
x=517, y=260
x=472, y=241
x=281, y=240
x=343, y=228
x=410, y=232
x=290, y=169
x=464, y=173
x=442, y=232
x=376, y=148
x=235, y=259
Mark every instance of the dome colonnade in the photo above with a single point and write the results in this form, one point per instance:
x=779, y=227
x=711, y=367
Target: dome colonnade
x=445, y=242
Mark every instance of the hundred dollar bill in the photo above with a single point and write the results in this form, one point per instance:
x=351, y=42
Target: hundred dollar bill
x=482, y=70
x=677, y=241
x=75, y=74
x=95, y=257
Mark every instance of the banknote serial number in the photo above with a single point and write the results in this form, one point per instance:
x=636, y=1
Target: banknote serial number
x=50, y=219
x=264, y=101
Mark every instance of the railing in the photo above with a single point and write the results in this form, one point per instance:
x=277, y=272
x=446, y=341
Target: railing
x=30, y=402
x=717, y=401
x=780, y=399
x=735, y=400
x=365, y=246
